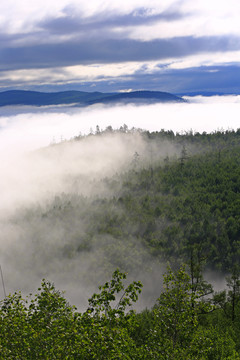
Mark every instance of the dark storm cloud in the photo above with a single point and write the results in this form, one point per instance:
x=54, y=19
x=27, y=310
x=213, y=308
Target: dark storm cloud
x=111, y=51
x=71, y=24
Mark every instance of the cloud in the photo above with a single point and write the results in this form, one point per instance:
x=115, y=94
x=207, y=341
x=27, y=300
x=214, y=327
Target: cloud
x=174, y=77
x=110, y=51
x=54, y=37
x=27, y=128
x=30, y=13
x=70, y=23
x=215, y=18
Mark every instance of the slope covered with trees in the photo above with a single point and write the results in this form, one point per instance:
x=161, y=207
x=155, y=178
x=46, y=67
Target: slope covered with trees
x=174, y=206
x=179, y=208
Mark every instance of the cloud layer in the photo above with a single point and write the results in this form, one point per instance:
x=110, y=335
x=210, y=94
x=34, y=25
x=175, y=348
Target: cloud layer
x=28, y=128
x=46, y=44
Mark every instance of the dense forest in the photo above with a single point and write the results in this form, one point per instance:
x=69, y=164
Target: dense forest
x=174, y=205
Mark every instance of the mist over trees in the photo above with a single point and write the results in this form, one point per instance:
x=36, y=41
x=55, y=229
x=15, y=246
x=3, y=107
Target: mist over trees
x=146, y=203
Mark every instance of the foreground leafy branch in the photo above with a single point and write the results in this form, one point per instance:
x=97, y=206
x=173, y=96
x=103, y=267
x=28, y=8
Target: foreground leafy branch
x=47, y=327
x=101, y=303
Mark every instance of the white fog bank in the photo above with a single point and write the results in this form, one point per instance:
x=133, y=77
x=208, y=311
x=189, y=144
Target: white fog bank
x=28, y=128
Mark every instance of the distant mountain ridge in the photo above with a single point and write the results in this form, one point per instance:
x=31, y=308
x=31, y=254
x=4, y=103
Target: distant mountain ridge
x=81, y=98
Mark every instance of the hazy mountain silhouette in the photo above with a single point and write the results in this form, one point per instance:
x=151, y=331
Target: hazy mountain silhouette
x=139, y=97
x=80, y=98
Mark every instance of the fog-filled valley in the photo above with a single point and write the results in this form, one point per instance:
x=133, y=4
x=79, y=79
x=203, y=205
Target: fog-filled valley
x=80, y=207
x=57, y=199
x=27, y=127
x=74, y=211
x=54, y=201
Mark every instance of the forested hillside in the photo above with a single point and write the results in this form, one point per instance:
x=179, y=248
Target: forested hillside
x=167, y=207
x=189, y=202
x=173, y=205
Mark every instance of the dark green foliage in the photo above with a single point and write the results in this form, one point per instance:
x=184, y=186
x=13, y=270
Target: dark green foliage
x=192, y=202
x=47, y=327
x=100, y=303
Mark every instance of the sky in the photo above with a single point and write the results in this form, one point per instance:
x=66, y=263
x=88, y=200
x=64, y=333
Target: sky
x=180, y=46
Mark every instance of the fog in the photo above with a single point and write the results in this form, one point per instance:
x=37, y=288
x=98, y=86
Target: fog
x=47, y=205
x=38, y=181
x=28, y=128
